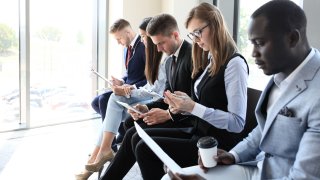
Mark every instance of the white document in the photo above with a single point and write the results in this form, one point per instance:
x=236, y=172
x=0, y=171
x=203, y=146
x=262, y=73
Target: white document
x=102, y=77
x=129, y=107
x=170, y=163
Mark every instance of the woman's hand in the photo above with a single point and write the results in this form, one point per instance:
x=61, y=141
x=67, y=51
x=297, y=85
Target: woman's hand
x=118, y=90
x=156, y=116
x=179, y=102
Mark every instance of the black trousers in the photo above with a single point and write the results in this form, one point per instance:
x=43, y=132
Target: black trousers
x=178, y=144
x=100, y=102
x=125, y=157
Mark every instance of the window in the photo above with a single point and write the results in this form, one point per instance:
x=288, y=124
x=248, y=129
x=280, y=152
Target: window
x=60, y=60
x=9, y=64
x=63, y=37
x=257, y=79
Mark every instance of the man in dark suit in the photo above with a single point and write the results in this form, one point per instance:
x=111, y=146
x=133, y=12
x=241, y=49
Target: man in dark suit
x=164, y=32
x=134, y=56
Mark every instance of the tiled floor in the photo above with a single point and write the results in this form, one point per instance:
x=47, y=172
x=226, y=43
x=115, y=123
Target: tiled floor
x=51, y=153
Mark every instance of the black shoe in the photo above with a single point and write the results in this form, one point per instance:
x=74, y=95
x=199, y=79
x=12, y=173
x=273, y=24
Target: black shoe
x=119, y=139
x=114, y=146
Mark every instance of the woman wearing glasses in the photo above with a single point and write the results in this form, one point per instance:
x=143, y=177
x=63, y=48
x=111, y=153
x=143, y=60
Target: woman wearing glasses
x=219, y=96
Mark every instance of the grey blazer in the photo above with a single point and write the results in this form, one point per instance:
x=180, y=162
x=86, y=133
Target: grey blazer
x=287, y=140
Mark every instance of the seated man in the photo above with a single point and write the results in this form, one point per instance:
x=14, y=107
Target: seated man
x=134, y=61
x=285, y=143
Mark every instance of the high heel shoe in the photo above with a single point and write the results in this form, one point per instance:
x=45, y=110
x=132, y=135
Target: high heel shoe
x=83, y=175
x=95, y=167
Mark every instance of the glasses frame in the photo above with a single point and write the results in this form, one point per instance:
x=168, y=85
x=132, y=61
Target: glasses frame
x=197, y=33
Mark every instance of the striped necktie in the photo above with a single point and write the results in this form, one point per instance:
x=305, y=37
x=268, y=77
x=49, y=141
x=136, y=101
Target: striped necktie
x=129, y=52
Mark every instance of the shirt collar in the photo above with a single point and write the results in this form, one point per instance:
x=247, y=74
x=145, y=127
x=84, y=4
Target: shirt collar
x=177, y=51
x=134, y=40
x=280, y=80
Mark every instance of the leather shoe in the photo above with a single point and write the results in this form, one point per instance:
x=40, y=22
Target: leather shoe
x=119, y=139
x=83, y=175
x=95, y=167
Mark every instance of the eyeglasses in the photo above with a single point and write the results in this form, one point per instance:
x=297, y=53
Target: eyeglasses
x=197, y=33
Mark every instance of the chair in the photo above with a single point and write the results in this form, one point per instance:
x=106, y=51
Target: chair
x=251, y=121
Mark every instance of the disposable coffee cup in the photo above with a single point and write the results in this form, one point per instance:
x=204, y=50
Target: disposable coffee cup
x=208, y=149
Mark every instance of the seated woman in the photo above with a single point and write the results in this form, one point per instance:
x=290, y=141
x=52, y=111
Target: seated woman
x=219, y=96
x=155, y=73
x=218, y=104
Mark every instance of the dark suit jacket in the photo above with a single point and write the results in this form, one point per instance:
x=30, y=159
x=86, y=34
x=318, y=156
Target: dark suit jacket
x=182, y=76
x=135, y=72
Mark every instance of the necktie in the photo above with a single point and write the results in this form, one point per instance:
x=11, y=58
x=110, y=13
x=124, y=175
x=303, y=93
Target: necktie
x=173, y=68
x=129, y=52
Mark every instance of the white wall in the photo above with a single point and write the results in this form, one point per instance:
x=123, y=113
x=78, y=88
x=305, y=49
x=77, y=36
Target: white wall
x=313, y=27
x=134, y=12
x=180, y=10
x=227, y=9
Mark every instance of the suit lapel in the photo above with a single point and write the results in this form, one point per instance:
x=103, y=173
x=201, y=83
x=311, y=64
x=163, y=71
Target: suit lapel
x=297, y=86
x=260, y=112
x=180, y=58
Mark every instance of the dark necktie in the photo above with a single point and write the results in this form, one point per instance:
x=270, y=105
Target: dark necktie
x=173, y=68
x=129, y=52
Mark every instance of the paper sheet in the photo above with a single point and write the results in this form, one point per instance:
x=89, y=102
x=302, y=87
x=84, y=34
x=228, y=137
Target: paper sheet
x=170, y=163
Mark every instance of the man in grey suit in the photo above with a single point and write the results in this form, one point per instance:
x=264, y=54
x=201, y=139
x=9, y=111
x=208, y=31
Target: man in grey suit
x=286, y=142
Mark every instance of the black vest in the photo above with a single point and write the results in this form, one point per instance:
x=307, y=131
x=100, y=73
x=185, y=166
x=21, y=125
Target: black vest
x=212, y=93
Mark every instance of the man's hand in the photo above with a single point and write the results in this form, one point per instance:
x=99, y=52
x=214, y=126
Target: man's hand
x=116, y=82
x=156, y=116
x=184, y=177
x=224, y=157
x=139, y=107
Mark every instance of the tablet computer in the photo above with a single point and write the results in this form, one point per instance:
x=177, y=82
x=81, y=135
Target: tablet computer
x=102, y=77
x=152, y=93
x=129, y=107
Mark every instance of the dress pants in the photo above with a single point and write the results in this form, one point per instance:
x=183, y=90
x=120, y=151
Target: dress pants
x=99, y=104
x=178, y=144
x=224, y=172
x=125, y=157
